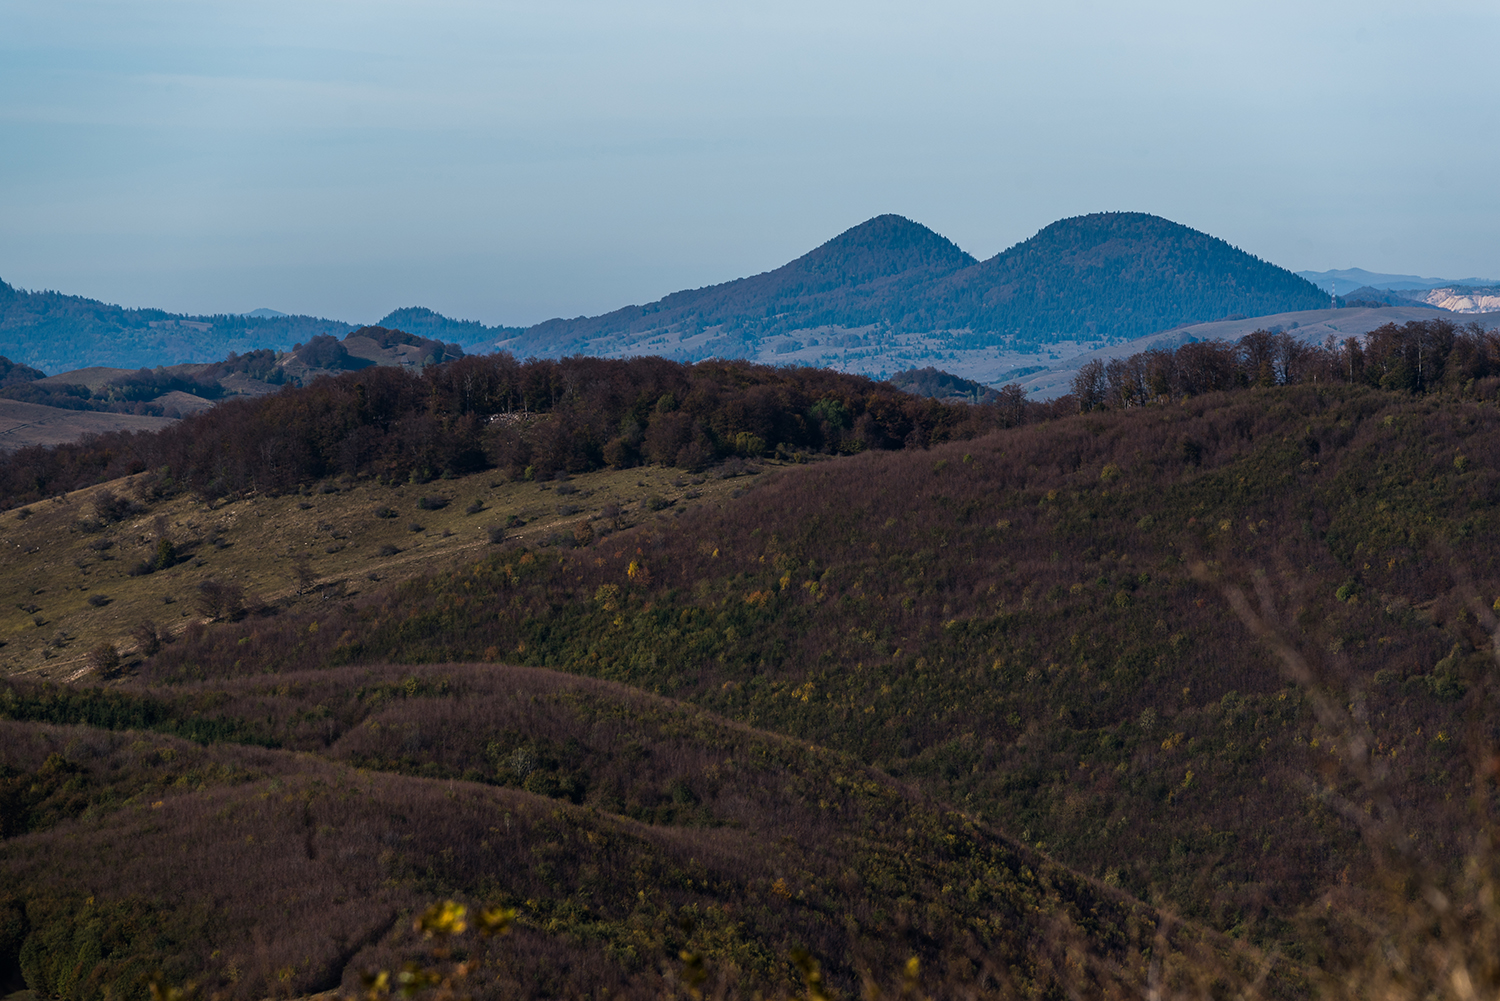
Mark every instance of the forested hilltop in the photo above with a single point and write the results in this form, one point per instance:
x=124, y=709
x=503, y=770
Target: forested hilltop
x=535, y=418
x=1187, y=686
x=59, y=333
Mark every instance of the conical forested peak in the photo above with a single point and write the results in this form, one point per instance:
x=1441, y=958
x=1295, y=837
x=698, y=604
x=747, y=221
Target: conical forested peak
x=1121, y=275
x=412, y=314
x=885, y=245
x=1122, y=233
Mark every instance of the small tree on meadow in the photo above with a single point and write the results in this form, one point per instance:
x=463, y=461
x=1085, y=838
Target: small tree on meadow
x=221, y=600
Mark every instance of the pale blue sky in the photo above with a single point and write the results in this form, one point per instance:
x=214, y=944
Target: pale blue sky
x=512, y=161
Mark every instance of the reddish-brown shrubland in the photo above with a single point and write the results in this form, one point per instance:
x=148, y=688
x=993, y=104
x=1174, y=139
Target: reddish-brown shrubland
x=1029, y=625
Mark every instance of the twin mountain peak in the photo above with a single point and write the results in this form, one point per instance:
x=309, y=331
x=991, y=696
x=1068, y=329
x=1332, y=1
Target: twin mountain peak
x=1109, y=276
x=882, y=295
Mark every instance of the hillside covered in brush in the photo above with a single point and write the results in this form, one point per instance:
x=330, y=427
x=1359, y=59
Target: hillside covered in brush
x=973, y=701
x=627, y=829
x=1017, y=624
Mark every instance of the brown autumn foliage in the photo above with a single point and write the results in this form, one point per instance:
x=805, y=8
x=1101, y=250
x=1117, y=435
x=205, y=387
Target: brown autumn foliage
x=1019, y=632
x=527, y=418
x=1028, y=625
x=163, y=856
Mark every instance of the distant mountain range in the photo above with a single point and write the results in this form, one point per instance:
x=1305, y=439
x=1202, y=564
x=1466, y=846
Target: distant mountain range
x=1452, y=298
x=887, y=295
x=60, y=333
x=1342, y=283
x=56, y=333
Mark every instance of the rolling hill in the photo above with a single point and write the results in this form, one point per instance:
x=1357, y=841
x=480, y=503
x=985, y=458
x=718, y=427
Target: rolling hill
x=36, y=409
x=57, y=333
x=61, y=333
x=850, y=281
x=628, y=829
x=1225, y=650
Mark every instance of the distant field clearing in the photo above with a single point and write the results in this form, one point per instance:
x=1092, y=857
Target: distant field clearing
x=24, y=424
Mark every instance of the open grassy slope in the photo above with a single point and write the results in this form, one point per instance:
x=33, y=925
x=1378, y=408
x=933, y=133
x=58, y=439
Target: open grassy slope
x=26, y=424
x=66, y=583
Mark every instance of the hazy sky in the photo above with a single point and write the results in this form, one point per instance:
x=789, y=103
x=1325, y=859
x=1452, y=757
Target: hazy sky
x=512, y=161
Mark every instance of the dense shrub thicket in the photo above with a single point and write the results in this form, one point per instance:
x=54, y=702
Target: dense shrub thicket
x=1014, y=622
x=1029, y=625
x=148, y=855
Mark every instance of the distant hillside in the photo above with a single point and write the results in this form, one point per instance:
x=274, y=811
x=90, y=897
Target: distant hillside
x=1351, y=279
x=56, y=332
x=885, y=296
x=936, y=384
x=23, y=425
x=1108, y=276
x=852, y=280
x=10, y=373
x=1367, y=296
x=1455, y=298
x=1114, y=275
x=471, y=335
x=36, y=409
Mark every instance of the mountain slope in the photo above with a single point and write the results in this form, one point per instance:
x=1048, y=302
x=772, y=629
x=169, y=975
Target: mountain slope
x=428, y=323
x=1016, y=624
x=901, y=289
x=56, y=332
x=624, y=827
x=1037, y=627
x=1113, y=275
x=848, y=281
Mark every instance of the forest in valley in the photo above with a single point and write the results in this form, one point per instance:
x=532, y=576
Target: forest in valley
x=1184, y=683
